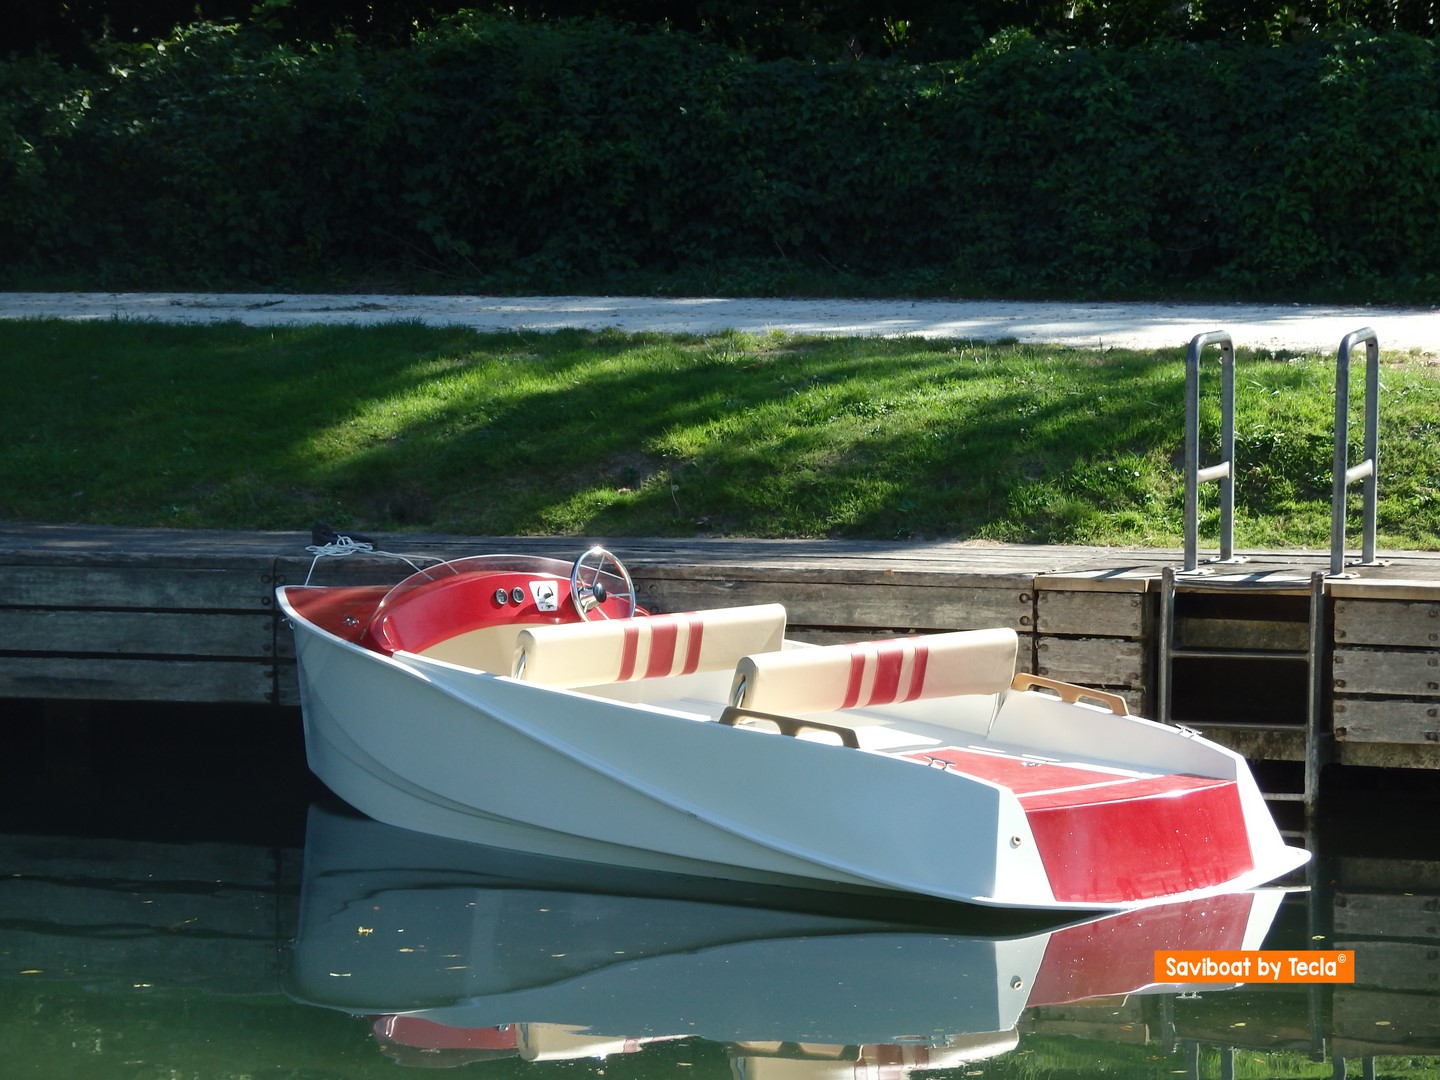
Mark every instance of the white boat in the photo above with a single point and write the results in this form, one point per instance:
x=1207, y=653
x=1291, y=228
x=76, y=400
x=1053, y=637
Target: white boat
x=462, y=952
x=530, y=704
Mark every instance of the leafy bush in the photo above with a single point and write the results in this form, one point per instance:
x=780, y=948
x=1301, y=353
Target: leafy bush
x=40, y=105
x=493, y=154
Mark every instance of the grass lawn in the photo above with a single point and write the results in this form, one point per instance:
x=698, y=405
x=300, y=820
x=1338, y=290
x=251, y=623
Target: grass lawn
x=407, y=427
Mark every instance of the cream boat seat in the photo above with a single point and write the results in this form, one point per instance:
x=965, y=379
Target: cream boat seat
x=828, y=678
x=619, y=650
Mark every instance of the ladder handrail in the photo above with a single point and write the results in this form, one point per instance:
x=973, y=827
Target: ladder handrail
x=1319, y=712
x=1224, y=472
x=1367, y=469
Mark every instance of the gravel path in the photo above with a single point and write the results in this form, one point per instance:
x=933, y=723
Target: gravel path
x=1085, y=325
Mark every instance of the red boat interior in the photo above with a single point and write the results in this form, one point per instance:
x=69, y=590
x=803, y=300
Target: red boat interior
x=388, y=619
x=419, y=618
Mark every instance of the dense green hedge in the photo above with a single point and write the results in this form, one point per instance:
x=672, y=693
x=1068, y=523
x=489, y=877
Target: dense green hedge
x=509, y=156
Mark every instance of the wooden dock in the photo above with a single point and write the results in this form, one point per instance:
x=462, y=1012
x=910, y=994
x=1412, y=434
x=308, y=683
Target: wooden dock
x=91, y=614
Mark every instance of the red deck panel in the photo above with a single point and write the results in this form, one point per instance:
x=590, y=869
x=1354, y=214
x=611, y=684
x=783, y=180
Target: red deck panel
x=1121, y=788
x=1151, y=845
x=1021, y=775
x=1105, y=838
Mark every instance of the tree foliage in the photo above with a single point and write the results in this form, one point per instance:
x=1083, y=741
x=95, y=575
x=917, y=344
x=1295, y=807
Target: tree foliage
x=825, y=30
x=510, y=155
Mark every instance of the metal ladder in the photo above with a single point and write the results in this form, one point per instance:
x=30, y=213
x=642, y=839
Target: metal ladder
x=1191, y=578
x=1319, y=737
x=1224, y=472
x=1366, y=470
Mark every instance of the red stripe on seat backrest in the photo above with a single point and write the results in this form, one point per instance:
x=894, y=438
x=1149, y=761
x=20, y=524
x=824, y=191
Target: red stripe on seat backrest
x=621, y=650
x=629, y=649
x=664, y=637
x=917, y=671
x=692, y=648
x=664, y=633
x=885, y=662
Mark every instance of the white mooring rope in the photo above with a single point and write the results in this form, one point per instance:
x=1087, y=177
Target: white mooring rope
x=342, y=546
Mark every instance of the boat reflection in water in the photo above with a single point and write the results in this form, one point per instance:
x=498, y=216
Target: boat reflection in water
x=460, y=953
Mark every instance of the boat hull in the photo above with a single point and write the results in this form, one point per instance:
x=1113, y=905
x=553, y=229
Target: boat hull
x=464, y=754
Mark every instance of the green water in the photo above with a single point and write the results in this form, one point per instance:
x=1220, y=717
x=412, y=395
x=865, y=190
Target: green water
x=172, y=905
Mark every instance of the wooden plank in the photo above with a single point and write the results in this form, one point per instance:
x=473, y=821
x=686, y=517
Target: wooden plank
x=1353, y=874
x=929, y=562
x=1377, y=671
x=1091, y=661
x=844, y=570
x=25, y=542
x=1403, y=573
x=1367, y=1022
x=934, y=563
x=287, y=686
x=1096, y=614
x=1386, y=915
x=32, y=630
x=1257, y=742
x=349, y=570
x=1371, y=755
x=1386, y=720
x=1108, y=571
x=1387, y=622
x=677, y=570
x=1257, y=635
x=818, y=603
x=240, y=588
x=124, y=679
x=1422, y=588
x=1395, y=965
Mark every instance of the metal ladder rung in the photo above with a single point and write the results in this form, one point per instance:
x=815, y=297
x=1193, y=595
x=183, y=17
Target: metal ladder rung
x=1184, y=652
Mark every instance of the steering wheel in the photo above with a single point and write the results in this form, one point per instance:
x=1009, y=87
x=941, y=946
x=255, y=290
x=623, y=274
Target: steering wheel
x=587, y=598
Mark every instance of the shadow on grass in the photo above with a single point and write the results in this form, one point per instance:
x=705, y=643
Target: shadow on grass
x=602, y=433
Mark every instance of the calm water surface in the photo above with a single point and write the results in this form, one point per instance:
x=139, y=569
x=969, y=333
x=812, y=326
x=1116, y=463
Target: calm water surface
x=180, y=899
